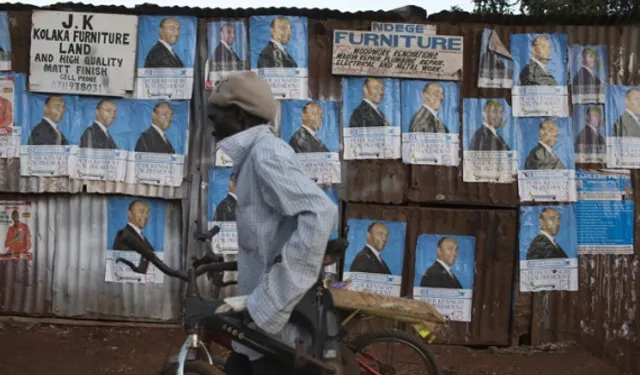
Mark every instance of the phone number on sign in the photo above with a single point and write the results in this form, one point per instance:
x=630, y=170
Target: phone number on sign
x=76, y=86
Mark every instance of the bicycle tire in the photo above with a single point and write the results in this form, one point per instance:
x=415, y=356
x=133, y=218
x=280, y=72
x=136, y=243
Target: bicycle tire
x=192, y=368
x=360, y=342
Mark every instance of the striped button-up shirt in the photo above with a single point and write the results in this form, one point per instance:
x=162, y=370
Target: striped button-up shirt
x=280, y=211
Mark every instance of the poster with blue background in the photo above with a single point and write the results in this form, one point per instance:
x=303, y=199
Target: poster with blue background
x=45, y=137
x=101, y=139
x=159, y=132
x=312, y=129
x=489, y=141
x=166, y=55
x=546, y=171
x=605, y=212
x=495, y=68
x=444, y=274
x=221, y=210
x=227, y=50
x=588, y=69
x=5, y=42
x=14, y=113
x=371, y=119
x=623, y=126
x=540, y=68
x=589, y=130
x=430, y=122
x=373, y=260
x=134, y=223
x=280, y=54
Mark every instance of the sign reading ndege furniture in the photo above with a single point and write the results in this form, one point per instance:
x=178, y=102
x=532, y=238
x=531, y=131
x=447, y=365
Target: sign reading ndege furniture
x=83, y=53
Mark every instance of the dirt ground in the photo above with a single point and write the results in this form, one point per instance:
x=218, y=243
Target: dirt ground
x=28, y=349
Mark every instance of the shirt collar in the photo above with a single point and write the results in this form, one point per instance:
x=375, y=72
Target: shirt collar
x=160, y=131
x=446, y=267
x=629, y=112
x=593, y=128
x=138, y=230
x=226, y=45
x=546, y=146
x=280, y=46
x=588, y=69
x=51, y=122
x=167, y=45
x=431, y=110
x=539, y=63
x=238, y=145
x=233, y=195
x=372, y=105
x=305, y=127
x=490, y=128
x=550, y=237
x=375, y=252
x=104, y=128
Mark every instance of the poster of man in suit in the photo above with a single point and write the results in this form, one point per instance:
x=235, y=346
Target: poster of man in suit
x=371, y=118
x=166, y=56
x=548, y=248
x=589, y=73
x=159, y=129
x=279, y=53
x=13, y=114
x=228, y=50
x=541, y=85
x=430, y=122
x=17, y=230
x=5, y=42
x=312, y=129
x=546, y=171
x=134, y=224
x=590, y=145
x=7, y=100
x=623, y=126
x=222, y=202
x=445, y=262
x=496, y=63
x=373, y=260
x=489, y=141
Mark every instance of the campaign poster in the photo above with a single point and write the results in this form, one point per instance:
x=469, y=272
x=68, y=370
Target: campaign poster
x=604, y=212
x=82, y=53
x=540, y=87
x=134, y=223
x=444, y=273
x=331, y=270
x=159, y=133
x=101, y=139
x=495, y=68
x=588, y=69
x=546, y=168
x=221, y=208
x=623, y=126
x=17, y=230
x=373, y=260
x=371, y=118
x=166, y=55
x=13, y=112
x=280, y=54
x=46, y=136
x=397, y=54
x=430, y=122
x=227, y=50
x=489, y=141
x=548, y=248
x=312, y=129
x=5, y=42
x=589, y=130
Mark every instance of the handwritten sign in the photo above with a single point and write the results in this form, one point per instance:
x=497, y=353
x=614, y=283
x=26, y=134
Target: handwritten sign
x=82, y=53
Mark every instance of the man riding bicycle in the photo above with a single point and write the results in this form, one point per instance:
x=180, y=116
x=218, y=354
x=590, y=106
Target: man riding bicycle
x=283, y=218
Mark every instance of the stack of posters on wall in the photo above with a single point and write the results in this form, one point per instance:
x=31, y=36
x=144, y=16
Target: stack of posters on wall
x=430, y=122
x=227, y=50
x=605, y=212
x=13, y=112
x=222, y=203
x=444, y=274
x=548, y=248
x=134, y=223
x=496, y=63
x=373, y=261
x=623, y=126
x=490, y=153
x=17, y=230
x=166, y=56
x=5, y=42
x=312, y=129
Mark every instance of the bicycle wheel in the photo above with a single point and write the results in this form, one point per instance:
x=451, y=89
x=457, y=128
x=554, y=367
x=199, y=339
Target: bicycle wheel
x=192, y=368
x=370, y=364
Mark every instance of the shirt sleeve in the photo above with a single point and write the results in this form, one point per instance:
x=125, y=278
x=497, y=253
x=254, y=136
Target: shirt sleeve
x=288, y=190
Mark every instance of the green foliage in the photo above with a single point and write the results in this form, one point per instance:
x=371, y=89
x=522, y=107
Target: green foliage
x=557, y=7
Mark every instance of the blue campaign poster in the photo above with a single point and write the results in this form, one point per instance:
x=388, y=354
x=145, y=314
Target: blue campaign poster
x=126, y=214
x=539, y=59
x=333, y=195
x=457, y=252
x=169, y=117
x=588, y=65
x=370, y=102
x=387, y=237
x=623, y=103
x=589, y=125
x=227, y=41
x=21, y=114
x=496, y=63
x=300, y=119
x=5, y=35
x=548, y=232
x=430, y=107
x=290, y=49
x=116, y=115
x=166, y=41
x=488, y=125
x=221, y=200
x=545, y=143
x=61, y=109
